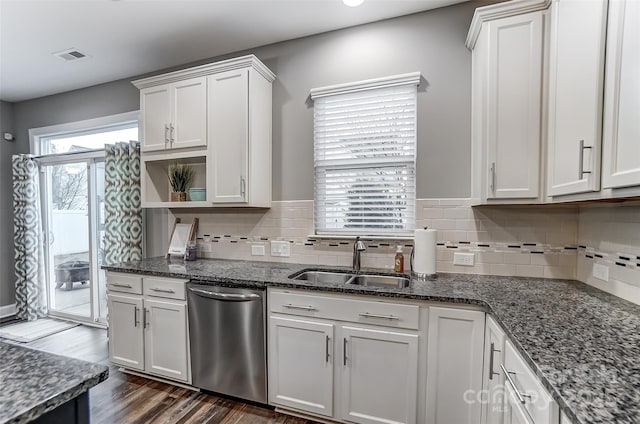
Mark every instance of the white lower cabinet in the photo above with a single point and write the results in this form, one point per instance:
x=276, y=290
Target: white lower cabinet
x=166, y=339
x=493, y=379
x=364, y=370
x=379, y=375
x=526, y=401
x=149, y=332
x=126, y=337
x=301, y=364
x=454, y=365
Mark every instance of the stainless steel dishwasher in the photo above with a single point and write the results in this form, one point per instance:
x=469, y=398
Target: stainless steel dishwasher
x=227, y=336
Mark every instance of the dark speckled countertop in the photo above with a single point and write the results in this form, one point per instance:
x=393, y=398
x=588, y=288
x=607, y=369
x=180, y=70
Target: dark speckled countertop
x=34, y=382
x=583, y=343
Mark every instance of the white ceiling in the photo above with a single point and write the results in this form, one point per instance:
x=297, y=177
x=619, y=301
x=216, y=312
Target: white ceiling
x=131, y=37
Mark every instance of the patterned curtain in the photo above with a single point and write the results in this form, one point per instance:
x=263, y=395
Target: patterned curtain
x=123, y=213
x=31, y=292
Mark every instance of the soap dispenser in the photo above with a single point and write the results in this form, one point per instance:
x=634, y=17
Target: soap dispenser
x=399, y=260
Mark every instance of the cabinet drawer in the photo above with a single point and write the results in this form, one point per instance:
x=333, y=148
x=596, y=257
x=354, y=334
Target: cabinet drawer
x=164, y=287
x=537, y=401
x=342, y=309
x=124, y=283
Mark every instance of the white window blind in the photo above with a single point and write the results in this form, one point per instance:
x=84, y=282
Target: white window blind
x=365, y=154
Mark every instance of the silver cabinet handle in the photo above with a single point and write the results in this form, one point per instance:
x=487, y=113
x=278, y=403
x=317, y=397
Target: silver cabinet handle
x=135, y=316
x=301, y=307
x=493, y=177
x=126, y=286
x=368, y=315
x=520, y=396
x=171, y=128
x=144, y=318
x=166, y=134
x=491, y=372
x=243, y=186
x=344, y=352
x=162, y=290
x=581, y=170
x=326, y=345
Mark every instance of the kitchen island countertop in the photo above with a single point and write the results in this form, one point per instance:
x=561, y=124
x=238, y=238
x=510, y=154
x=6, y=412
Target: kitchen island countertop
x=33, y=382
x=583, y=343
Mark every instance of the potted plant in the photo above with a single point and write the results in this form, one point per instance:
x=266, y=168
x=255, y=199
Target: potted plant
x=180, y=177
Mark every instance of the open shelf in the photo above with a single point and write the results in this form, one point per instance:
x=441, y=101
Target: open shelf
x=156, y=190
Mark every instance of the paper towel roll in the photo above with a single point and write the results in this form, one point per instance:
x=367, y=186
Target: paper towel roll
x=424, y=258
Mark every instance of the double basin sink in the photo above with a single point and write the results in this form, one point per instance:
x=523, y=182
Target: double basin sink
x=366, y=280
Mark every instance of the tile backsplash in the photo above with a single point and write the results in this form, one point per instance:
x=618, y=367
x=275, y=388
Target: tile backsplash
x=523, y=241
x=609, y=236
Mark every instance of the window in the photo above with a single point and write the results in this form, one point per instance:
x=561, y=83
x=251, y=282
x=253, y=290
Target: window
x=365, y=156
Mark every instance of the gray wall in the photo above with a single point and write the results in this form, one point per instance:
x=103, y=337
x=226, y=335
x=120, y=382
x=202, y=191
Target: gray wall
x=430, y=42
x=7, y=149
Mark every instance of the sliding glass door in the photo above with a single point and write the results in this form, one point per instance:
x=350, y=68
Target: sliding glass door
x=73, y=193
x=72, y=187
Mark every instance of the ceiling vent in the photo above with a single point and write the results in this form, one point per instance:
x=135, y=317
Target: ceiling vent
x=70, y=55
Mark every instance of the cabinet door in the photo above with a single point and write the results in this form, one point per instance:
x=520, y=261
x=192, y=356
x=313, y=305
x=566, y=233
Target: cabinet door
x=155, y=117
x=189, y=107
x=125, y=331
x=301, y=364
x=575, y=95
x=228, y=101
x=621, y=134
x=454, y=365
x=166, y=339
x=379, y=376
x=493, y=379
x=514, y=413
x=514, y=96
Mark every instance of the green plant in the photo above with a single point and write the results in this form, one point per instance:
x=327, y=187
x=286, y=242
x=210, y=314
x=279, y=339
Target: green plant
x=180, y=177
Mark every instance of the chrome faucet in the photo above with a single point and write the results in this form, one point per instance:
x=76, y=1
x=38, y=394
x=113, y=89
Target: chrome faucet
x=358, y=248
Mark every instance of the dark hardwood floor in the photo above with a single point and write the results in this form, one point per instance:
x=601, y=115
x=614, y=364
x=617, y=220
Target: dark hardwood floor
x=124, y=398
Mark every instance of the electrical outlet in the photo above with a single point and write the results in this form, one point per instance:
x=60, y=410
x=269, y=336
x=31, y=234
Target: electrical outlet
x=205, y=247
x=257, y=250
x=280, y=248
x=464, y=259
x=601, y=272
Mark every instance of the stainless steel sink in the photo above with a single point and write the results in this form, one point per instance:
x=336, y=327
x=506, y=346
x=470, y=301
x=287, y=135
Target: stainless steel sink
x=381, y=281
x=365, y=280
x=325, y=277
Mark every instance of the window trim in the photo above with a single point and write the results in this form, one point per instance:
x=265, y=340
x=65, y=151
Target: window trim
x=413, y=78
x=87, y=125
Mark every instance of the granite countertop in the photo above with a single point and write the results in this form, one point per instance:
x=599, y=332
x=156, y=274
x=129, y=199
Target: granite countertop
x=33, y=382
x=583, y=343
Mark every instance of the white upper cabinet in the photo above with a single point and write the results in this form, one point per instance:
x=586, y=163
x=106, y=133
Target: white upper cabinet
x=229, y=129
x=239, y=138
x=514, y=96
x=217, y=118
x=155, y=117
x=621, y=132
x=507, y=81
x=174, y=115
x=576, y=67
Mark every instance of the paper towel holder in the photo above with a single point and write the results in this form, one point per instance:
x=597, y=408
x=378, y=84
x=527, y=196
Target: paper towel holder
x=418, y=275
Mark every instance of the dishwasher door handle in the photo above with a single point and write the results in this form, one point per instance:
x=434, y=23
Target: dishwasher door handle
x=225, y=296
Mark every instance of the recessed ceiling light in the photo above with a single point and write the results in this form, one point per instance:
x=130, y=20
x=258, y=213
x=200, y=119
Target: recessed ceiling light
x=353, y=3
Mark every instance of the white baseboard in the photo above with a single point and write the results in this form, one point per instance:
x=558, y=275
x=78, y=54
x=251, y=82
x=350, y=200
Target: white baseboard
x=7, y=311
